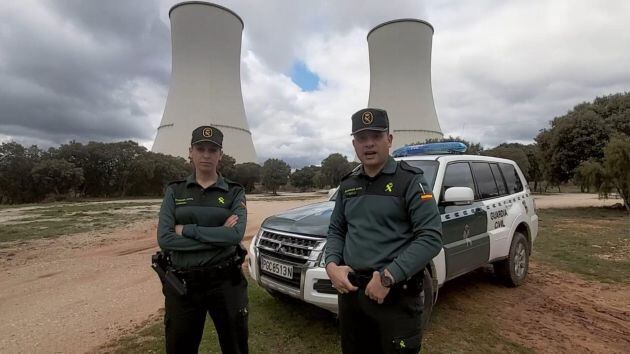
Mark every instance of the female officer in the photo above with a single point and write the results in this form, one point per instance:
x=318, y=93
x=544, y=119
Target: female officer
x=202, y=222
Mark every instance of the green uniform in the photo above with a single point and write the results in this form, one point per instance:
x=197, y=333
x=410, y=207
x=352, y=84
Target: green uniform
x=204, y=241
x=387, y=221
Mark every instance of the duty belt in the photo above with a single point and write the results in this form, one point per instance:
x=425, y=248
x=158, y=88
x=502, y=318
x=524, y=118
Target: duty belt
x=196, y=274
x=361, y=279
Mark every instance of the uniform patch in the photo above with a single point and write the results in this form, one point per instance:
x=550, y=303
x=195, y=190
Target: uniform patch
x=351, y=192
x=426, y=196
x=221, y=200
x=207, y=132
x=389, y=187
x=182, y=201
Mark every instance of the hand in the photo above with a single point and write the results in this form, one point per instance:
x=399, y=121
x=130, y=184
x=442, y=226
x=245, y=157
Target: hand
x=231, y=221
x=375, y=290
x=339, y=277
x=179, y=230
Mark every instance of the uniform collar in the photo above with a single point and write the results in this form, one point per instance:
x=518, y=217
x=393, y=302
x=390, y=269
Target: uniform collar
x=389, y=168
x=220, y=183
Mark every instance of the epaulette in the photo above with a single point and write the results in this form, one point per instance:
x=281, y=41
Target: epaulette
x=407, y=167
x=176, y=182
x=353, y=172
x=230, y=182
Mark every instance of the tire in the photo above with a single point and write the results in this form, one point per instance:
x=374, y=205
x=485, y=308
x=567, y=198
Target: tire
x=513, y=270
x=428, y=297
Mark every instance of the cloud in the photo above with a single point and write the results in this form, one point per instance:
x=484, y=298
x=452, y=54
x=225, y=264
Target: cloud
x=501, y=70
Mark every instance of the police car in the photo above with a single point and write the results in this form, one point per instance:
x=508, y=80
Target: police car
x=488, y=216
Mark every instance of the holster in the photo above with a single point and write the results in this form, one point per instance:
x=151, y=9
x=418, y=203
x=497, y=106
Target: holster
x=161, y=264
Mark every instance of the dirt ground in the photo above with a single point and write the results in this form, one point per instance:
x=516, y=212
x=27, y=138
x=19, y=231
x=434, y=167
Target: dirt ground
x=77, y=292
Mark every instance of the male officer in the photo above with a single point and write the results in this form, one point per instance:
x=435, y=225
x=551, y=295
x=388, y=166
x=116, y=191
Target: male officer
x=384, y=230
x=202, y=222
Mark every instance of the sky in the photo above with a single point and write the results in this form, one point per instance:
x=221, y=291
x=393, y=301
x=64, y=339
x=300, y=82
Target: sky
x=501, y=70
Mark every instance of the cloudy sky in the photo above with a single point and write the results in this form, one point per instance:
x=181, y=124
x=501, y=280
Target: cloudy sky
x=99, y=70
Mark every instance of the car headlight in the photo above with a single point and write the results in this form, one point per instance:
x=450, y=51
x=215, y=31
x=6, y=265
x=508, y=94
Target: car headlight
x=322, y=258
x=257, y=236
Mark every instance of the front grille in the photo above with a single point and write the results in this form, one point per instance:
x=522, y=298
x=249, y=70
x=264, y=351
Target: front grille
x=296, y=249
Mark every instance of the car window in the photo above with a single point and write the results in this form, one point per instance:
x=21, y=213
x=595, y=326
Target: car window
x=457, y=175
x=498, y=177
x=513, y=181
x=485, y=180
x=428, y=167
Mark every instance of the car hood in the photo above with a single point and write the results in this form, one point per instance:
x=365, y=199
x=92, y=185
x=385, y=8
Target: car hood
x=312, y=220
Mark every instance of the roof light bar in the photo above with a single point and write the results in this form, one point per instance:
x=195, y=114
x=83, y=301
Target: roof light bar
x=431, y=149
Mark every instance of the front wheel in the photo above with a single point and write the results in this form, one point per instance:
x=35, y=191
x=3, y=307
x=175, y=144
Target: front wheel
x=513, y=270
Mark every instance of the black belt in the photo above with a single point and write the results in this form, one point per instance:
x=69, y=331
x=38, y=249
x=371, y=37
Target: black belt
x=195, y=274
x=361, y=279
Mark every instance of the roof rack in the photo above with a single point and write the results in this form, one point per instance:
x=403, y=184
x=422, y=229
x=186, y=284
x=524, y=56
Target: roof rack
x=453, y=147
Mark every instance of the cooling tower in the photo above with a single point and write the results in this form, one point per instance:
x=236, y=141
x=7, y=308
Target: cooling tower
x=205, y=81
x=400, y=79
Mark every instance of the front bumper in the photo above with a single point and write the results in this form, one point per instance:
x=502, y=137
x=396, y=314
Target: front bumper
x=315, y=287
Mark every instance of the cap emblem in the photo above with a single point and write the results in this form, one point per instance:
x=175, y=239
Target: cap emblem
x=207, y=132
x=367, y=118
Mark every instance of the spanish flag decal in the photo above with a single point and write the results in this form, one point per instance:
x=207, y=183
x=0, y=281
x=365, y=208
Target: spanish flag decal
x=426, y=196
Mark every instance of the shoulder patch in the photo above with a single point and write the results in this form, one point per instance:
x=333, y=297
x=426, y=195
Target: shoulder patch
x=232, y=183
x=176, y=182
x=407, y=167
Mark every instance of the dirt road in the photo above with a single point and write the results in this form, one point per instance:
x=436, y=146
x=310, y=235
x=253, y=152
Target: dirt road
x=74, y=293
x=77, y=292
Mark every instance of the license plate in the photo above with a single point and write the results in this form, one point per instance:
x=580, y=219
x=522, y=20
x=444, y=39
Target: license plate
x=277, y=268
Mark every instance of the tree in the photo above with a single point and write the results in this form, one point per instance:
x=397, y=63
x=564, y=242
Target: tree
x=334, y=167
x=56, y=175
x=305, y=177
x=226, y=167
x=589, y=174
x=514, y=152
x=275, y=173
x=617, y=165
x=16, y=183
x=247, y=174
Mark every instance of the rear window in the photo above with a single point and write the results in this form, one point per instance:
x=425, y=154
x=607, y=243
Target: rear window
x=487, y=187
x=498, y=178
x=513, y=181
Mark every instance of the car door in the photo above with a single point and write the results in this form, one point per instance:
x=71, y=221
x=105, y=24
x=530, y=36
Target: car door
x=464, y=227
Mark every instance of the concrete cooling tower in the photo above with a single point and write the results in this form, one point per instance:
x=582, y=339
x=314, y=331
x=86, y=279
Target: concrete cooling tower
x=205, y=81
x=400, y=79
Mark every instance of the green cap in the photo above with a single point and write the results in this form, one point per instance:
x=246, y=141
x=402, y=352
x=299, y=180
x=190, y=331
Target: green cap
x=370, y=119
x=207, y=133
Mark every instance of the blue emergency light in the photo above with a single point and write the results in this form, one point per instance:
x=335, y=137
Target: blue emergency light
x=431, y=149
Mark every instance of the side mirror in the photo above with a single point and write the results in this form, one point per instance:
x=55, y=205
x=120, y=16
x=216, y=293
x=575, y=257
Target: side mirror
x=459, y=196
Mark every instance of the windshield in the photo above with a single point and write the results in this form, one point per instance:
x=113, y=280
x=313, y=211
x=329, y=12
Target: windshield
x=429, y=168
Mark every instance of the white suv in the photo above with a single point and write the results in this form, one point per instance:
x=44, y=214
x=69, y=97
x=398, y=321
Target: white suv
x=488, y=216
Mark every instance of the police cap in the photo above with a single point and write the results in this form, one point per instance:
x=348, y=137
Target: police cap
x=370, y=119
x=207, y=133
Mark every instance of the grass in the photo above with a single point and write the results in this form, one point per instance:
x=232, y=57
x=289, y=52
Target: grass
x=291, y=326
x=592, y=242
x=57, y=219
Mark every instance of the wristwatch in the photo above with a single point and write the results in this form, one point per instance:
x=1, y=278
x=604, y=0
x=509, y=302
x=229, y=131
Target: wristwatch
x=386, y=280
